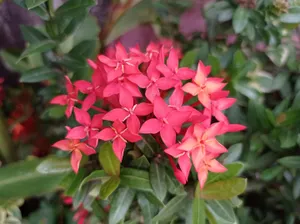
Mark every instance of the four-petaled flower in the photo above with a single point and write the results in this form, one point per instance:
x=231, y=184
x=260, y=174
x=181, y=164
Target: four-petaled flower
x=68, y=99
x=120, y=135
x=76, y=148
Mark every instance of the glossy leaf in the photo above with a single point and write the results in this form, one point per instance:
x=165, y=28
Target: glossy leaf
x=75, y=182
x=34, y=3
x=98, y=175
x=39, y=47
x=240, y=19
x=290, y=161
x=120, y=204
x=108, y=160
x=234, y=153
x=147, y=208
x=109, y=187
x=158, y=180
x=10, y=62
x=224, y=189
x=198, y=211
x=74, y=8
x=39, y=74
x=141, y=162
x=222, y=211
x=32, y=34
x=33, y=177
x=271, y=173
x=136, y=179
x=170, y=209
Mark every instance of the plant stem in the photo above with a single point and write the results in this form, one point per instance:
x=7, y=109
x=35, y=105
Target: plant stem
x=6, y=149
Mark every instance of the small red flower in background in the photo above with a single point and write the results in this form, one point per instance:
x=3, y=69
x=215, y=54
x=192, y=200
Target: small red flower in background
x=144, y=93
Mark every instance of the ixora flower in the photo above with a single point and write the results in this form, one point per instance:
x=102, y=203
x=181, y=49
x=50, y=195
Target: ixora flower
x=143, y=93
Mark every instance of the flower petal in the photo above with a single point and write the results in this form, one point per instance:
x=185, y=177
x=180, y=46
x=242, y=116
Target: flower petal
x=188, y=145
x=143, y=109
x=63, y=145
x=168, y=135
x=60, y=100
x=152, y=126
x=166, y=83
x=87, y=150
x=119, y=147
x=185, y=73
x=116, y=114
x=77, y=133
x=185, y=165
x=126, y=99
x=176, y=99
x=177, y=118
x=213, y=146
x=141, y=80
x=82, y=117
x=191, y=88
x=75, y=160
x=119, y=126
x=165, y=70
x=131, y=137
x=203, y=97
x=160, y=108
x=172, y=60
x=133, y=124
x=151, y=92
x=89, y=101
x=216, y=167
x=83, y=86
x=105, y=134
x=111, y=89
x=202, y=177
x=97, y=121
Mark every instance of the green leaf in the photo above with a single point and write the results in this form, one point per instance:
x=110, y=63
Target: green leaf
x=120, y=204
x=34, y=177
x=278, y=55
x=170, y=209
x=296, y=188
x=158, y=180
x=32, y=34
x=75, y=182
x=84, y=49
x=74, y=8
x=224, y=189
x=39, y=47
x=234, y=153
x=33, y=3
x=39, y=74
x=173, y=185
x=233, y=170
x=140, y=163
x=98, y=175
x=10, y=61
x=198, y=211
x=136, y=179
x=143, y=10
x=147, y=208
x=215, y=64
x=292, y=17
x=189, y=59
x=240, y=19
x=271, y=173
x=222, y=211
x=290, y=161
x=108, y=160
x=109, y=187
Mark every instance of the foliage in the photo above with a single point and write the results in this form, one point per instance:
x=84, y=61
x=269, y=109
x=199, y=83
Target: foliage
x=252, y=45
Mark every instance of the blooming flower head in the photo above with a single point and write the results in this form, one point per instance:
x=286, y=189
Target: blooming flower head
x=148, y=93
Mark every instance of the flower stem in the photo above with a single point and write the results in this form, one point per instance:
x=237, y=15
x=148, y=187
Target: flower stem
x=6, y=149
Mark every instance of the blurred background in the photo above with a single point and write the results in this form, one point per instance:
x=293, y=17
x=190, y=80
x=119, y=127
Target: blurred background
x=253, y=44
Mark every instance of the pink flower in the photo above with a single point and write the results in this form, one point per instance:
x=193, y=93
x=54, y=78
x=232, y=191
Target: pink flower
x=167, y=122
x=203, y=86
x=68, y=99
x=89, y=127
x=129, y=112
x=119, y=134
x=171, y=70
x=76, y=148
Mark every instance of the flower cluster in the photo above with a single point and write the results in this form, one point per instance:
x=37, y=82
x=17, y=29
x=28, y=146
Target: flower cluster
x=148, y=93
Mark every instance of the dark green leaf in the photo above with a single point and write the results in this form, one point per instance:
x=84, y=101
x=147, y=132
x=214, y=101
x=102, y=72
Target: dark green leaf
x=147, y=208
x=75, y=182
x=34, y=3
x=108, y=160
x=158, y=180
x=141, y=162
x=240, y=19
x=198, y=211
x=222, y=211
x=32, y=34
x=34, y=177
x=271, y=173
x=224, y=189
x=10, y=61
x=74, y=8
x=84, y=49
x=189, y=59
x=290, y=161
x=234, y=153
x=296, y=188
x=215, y=64
x=39, y=47
x=120, y=204
x=109, y=187
x=136, y=179
x=173, y=185
x=170, y=209
x=39, y=74
x=98, y=175
x=278, y=55
x=143, y=10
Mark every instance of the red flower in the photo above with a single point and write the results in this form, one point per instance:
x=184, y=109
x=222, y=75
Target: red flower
x=76, y=148
x=167, y=122
x=203, y=86
x=119, y=134
x=68, y=99
x=129, y=112
x=89, y=127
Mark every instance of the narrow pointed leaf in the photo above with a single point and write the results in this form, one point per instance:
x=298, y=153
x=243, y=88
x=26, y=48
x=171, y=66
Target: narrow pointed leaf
x=136, y=179
x=120, y=204
x=39, y=74
x=222, y=211
x=170, y=209
x=98, y=175
x=147, y=208
x=34, y=3
x=198, y=211
x=109, y=187
x=290, y=161
x=158, y=180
